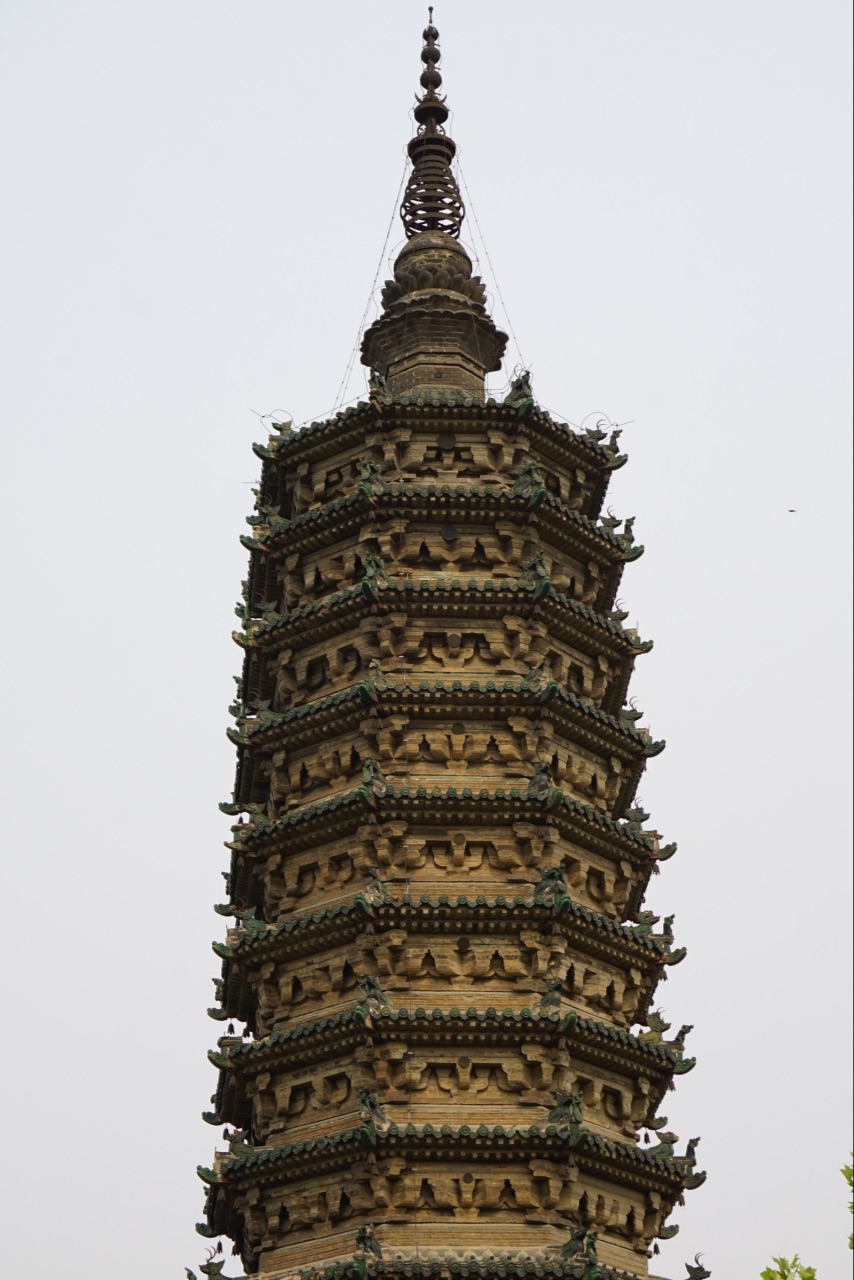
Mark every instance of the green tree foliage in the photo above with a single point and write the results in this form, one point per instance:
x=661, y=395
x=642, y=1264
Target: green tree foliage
x=783, y=1269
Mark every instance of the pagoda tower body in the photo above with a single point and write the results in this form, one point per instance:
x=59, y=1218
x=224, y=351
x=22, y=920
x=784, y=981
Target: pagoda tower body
x=449, y=1054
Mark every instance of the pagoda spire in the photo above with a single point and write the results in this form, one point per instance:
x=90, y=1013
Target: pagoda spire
x=435, y=331
x=432, y=200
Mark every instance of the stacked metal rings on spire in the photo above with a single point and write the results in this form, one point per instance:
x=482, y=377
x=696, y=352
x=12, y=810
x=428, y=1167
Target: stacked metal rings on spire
x=432, y=200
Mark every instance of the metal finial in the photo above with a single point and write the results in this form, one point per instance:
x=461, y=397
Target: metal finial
x=432, y=200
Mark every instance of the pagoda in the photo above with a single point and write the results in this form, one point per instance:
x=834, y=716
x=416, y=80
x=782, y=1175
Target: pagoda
x=442, y=1054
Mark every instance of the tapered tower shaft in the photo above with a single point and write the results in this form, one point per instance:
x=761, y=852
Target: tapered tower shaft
x=444, y=1052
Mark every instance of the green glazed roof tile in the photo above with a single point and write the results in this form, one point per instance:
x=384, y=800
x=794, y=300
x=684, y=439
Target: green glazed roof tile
x=359, y=906
x=493, y=493
x=503, y=1135
x=547, y=1022
x=512, y=684
x=356, y=795
x=434, y=587
x=536, y=1265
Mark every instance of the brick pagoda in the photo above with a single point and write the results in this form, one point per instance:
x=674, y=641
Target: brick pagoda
x=442, y=1054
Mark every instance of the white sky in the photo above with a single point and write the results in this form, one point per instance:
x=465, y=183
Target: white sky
x=196, y=196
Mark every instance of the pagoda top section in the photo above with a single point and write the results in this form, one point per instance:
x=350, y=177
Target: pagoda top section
x=435, y=331
x=432, y=200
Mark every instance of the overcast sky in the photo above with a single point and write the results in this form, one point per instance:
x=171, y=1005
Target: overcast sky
x=196, y=197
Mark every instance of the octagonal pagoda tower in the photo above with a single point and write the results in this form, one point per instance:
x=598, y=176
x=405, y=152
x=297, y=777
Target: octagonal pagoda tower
x=447, y=1059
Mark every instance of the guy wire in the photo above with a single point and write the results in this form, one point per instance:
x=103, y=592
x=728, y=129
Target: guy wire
x=345, y=381
x=470, y=206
